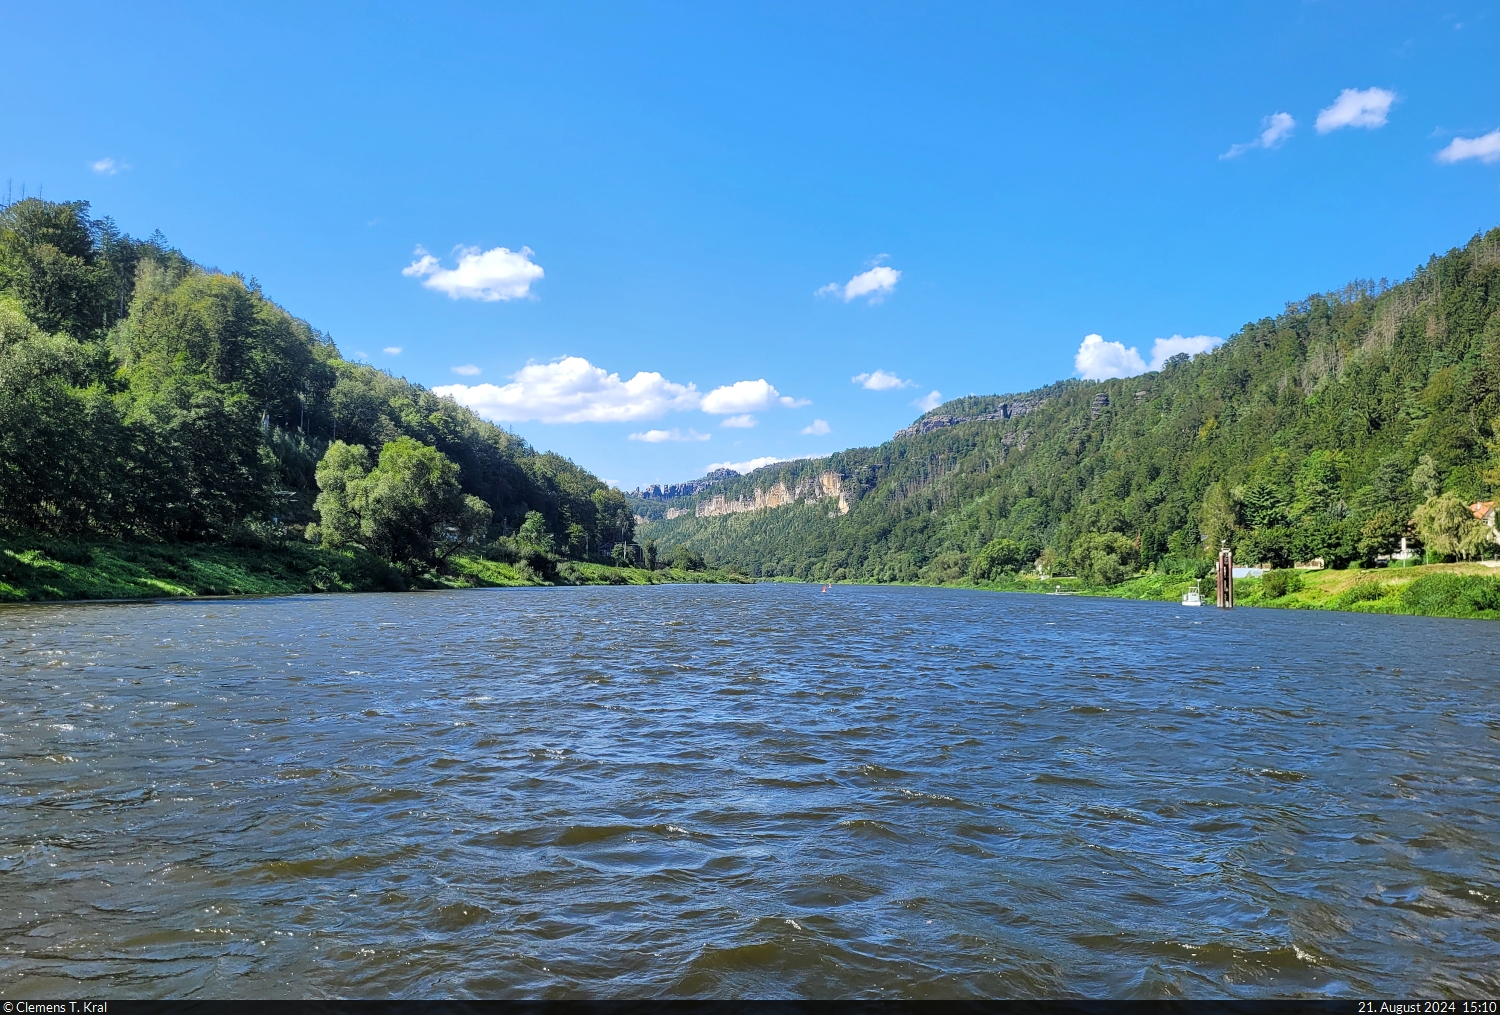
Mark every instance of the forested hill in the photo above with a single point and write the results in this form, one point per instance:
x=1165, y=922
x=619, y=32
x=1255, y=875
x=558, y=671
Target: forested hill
x=1319, y=432
x=145, y=396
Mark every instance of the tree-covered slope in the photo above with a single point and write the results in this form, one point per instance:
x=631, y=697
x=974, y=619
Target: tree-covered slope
x=1314, y=433
x=144, y=396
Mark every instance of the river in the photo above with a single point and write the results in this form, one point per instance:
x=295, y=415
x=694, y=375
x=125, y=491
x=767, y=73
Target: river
x=745, y=791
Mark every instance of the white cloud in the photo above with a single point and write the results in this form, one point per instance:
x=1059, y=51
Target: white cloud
x=108, y=166
x=573, y=390
x=1485, y=148
x=467, y=370
x=817, y=427
x=490, y=275
x=929, y=401
x=1355, y=108
x=750, y=466
x=1164, y=349
x=1276, y=128
x=877, y=283
x=881, y=381
x=746, y=396
x=392, y=350
x=674, y=435
x=1098, y=360
x=743, y=422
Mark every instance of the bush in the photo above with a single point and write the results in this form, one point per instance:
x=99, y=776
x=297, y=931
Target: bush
x=1451, y=595
x=947, y=568
x=1193, y=567
x=684, y=559
x=1275, y=584
x=1364, y=592
x=998, y=557
x=1103, y=558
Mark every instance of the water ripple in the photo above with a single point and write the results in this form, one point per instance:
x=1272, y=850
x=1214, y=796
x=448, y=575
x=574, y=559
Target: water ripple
x=758, y=791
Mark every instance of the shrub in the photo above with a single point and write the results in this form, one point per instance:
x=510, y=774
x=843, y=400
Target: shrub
x=1103, y=558
x=1364, y=592
x=1275, y=584
x=1451, y=595
x=684, y=559
x=947, y=568
x=998, y=557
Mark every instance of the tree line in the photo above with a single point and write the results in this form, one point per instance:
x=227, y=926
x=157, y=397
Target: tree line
x=143, y=396
x=1332, y=430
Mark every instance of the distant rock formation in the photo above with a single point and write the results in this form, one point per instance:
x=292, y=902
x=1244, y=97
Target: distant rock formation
x=1010, y=410
x=669, y=491
x=807, y=490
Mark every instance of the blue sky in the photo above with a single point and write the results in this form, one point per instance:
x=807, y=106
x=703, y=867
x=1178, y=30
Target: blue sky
x=679, y=218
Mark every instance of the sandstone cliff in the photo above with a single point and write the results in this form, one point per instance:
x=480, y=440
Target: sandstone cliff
x=808, y=490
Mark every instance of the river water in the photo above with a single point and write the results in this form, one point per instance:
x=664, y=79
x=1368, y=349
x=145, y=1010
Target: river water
x=749, y=791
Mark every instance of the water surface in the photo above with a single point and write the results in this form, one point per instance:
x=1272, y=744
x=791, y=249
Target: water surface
x=745, y=791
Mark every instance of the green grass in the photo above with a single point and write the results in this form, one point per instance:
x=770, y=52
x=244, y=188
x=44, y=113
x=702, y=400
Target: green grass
x=38, y=569
x=1436, y=590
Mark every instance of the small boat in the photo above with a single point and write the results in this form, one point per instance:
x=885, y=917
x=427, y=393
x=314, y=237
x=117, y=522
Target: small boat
x=1192, y=597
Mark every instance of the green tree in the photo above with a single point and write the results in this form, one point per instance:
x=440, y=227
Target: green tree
x=650, y=554
x=686, y=559
x=1217, y=518
x=1446, y=526
x=533, y=532
x=408, y=508
x=998, y=556
x=49, y=262
x=1103, y=558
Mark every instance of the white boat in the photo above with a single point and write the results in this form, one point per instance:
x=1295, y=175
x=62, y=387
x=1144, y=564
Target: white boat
x=1192, y=597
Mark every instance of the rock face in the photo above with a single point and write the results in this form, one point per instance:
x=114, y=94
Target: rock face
x=1010, y=410
x=671, y=491
x=807, y=490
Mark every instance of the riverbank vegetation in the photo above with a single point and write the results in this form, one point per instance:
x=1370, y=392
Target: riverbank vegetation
x=166, y=429
x=39, y=569
x=1327, y=434
x=1467, y=590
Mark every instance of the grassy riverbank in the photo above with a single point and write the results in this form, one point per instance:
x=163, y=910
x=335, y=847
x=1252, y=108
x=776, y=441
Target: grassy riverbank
x=42, y=569
x=1434, y=590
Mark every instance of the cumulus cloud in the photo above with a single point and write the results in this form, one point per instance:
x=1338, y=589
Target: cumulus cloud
x=1098, y=360
x=1355, y=108
x=392, y=350
x=1485, y=148
x=746, y=396
x=1275, y=129
x=750, y=466
x=573, y=390
x=1164, y=349
x=877, y=283
x=489, y=275
x=107, y=167
x=674, y=434
x=817, y=427
x=929, y=401
x=741, y=422
x=881, y=381
x=467, y=370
